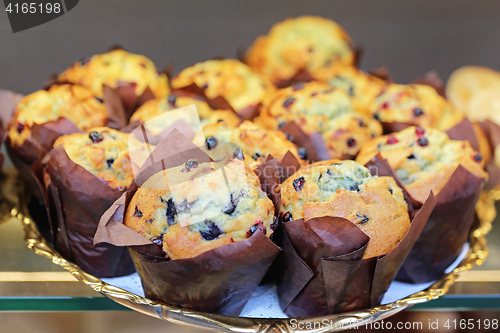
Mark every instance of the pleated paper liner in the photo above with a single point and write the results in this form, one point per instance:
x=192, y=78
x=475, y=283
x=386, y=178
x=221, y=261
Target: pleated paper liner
x=475, y=256
x=218, y=281
x=447, y=229
x=465, y=130
x=313, y=144
x=461, y=131
x=431, y=78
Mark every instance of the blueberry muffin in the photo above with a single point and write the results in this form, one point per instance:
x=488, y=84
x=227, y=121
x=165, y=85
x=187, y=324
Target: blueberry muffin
x=105, y=153
x=114, y=68
x=253, y=143
x=415, y=104
x=485, y=148
x=307, y=43
x=236, y=82
x=360, y=86
x=318, y=108
x=198, y=210
x=159, y=106
x=75, y=103
x=424, y=159
x=347, y=189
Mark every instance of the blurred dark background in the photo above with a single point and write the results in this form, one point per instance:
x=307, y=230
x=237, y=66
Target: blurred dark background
x=410, y=37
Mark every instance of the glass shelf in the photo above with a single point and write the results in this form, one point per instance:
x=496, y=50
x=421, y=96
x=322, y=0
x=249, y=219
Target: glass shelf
x=32, y=283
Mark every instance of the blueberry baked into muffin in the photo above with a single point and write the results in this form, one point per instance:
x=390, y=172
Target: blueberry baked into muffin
x=229, y=78
x=202, y=211
x=424, y=159
x=347, y=189
x=318, y=108
x=307, y=43
x=252, y=143
x=160, y=106
x=415, y=104
x=360, y=86
x=105, y=153
x=114, y=68
x=75, y=103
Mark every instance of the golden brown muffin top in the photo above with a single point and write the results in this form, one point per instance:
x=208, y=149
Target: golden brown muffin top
x=75, y=103
x=115, y=67
x=307, y=43
x=424, y=159
x=347, y=189
x=190, y=212
x=311, y=105
x=229, y=78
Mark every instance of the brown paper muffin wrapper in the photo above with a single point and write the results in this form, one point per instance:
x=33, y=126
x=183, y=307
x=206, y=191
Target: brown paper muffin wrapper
x=8, y=103
x=287, y=167
x=247, y=113
x=432, y=79
x=271, y=175
x=219, y=281
x=75, y=200
x=444, y=235
x=322, y=270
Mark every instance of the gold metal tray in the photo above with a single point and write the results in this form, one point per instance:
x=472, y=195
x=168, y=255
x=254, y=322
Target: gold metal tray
x=16, y=206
